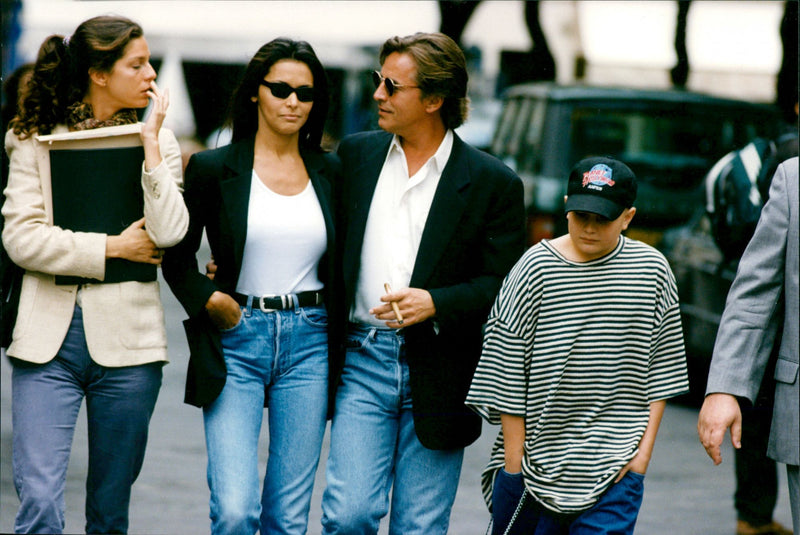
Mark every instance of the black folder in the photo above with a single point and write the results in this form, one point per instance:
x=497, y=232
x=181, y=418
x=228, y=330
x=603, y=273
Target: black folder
x=99, y=190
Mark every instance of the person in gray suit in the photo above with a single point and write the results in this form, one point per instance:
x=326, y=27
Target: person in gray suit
x=765, y=288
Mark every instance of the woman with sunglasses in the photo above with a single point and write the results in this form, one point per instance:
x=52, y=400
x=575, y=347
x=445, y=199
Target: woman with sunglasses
x=103, y=339
x=258, y=330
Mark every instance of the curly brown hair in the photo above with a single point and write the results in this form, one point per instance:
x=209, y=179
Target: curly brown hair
x=61, y=74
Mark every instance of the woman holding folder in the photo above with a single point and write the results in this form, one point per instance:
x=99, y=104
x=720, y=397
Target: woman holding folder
x=77, y=335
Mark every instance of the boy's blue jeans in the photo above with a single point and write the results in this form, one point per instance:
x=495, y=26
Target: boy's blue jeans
x=614, y=514
x=285, y=354
x=374, y=448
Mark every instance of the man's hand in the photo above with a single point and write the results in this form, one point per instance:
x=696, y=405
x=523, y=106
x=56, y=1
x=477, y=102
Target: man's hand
x=416, y=305
x=211, y=268
x=719, y=412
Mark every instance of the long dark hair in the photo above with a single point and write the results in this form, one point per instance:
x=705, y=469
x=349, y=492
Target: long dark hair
x=243, y=115
x=61, y=74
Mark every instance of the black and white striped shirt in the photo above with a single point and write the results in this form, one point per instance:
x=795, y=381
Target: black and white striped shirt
x=579, y=350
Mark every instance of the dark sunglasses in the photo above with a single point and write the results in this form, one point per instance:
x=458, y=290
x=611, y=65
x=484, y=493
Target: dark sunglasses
x=391, y=85
x=283, y=90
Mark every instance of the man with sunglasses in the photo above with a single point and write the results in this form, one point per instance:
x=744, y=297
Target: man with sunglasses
x=430, y=227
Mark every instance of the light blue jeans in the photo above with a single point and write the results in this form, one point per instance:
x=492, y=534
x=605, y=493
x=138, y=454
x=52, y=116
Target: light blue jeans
x=282, y=355
x=374, y=448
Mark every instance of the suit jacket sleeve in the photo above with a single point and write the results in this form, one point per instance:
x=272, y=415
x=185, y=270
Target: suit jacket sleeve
x=752, y=311
x=190, y=286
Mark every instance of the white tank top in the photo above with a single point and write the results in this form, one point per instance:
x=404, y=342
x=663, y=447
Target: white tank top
x=286, y=237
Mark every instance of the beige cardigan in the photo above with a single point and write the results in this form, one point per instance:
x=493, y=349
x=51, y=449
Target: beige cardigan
x=124, y=322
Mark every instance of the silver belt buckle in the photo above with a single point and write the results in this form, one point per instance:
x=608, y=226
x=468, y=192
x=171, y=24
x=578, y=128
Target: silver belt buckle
x=264, y=308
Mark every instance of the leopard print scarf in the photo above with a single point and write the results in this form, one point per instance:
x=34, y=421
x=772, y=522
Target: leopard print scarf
x=80, y=116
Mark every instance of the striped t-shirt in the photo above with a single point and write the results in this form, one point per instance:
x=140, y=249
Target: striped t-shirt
x=580, y=350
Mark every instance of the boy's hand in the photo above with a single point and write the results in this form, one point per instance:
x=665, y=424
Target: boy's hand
x=719, y=412
x=638, y=464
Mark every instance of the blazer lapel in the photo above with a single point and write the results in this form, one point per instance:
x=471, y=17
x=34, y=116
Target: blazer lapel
x=235, y=191
x=446, y=210
x=362, y=177
x=315, y=166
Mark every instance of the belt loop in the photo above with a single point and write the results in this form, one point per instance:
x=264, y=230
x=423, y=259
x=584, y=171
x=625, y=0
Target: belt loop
x=248, y=309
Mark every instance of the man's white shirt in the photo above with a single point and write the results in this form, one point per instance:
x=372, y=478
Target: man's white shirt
x=396, y=220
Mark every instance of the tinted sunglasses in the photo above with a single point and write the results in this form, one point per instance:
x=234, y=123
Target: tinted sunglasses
x=283, y=90
x=391, y=85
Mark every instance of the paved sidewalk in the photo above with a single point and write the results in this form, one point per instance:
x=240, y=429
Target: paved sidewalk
x=684, y=493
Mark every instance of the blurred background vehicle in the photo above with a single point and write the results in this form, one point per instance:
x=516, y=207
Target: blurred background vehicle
x=703, y=277
x=669, y=138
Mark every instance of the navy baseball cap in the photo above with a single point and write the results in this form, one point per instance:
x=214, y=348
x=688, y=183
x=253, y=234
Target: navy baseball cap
x=600, y=185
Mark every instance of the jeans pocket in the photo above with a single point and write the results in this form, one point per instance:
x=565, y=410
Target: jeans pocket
x=636, y=476
x=316, y=316
x=356, y=341
x=629, y=491
x=511, y=486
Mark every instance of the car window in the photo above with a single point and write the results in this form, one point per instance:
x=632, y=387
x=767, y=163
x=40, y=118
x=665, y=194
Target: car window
x=530, y=159
x=519, y=126
x=676, y=144
x=504, y=127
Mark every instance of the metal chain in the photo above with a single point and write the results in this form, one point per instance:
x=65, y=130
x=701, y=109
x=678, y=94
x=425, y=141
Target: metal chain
x=516, y=513
x=513, y=517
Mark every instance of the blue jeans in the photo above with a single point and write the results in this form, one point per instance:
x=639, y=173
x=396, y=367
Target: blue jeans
x=374, y=447
x=614, y=514
x=46, y=399
x=282, y=355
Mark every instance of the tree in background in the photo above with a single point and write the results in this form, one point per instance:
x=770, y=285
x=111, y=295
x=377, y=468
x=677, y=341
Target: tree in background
x=680, y=72
x=538, y=64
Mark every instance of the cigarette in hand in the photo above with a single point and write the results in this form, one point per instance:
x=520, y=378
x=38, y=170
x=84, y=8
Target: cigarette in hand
x=394, y=304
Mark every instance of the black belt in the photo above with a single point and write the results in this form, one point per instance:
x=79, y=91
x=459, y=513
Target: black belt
x=271, y=303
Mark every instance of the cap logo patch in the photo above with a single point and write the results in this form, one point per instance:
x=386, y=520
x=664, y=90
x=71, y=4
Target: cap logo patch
x=597, y=177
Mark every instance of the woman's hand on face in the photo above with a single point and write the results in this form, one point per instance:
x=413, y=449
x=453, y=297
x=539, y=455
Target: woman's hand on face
x=134, y=244
x=158, y=111
x=223, y=310
x=159, y=101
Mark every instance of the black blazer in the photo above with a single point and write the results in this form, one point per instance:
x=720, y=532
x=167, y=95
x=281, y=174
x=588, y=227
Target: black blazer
x=474, y=234
x=217, y=194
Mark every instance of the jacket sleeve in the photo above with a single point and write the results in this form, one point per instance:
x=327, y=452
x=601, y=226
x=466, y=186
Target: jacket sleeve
x=749, y=323
x=179, y=268
x=166, y=216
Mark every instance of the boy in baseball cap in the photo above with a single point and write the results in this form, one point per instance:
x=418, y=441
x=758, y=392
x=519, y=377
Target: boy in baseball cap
x=599, y=206
x=582, y=348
